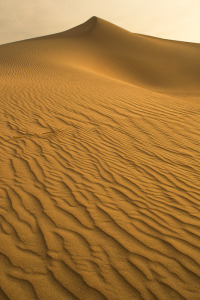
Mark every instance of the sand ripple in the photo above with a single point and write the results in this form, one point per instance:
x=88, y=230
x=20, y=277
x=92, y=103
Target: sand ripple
x=100, y=195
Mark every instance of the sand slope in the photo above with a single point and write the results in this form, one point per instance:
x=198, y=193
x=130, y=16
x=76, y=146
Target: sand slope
x=99, y=169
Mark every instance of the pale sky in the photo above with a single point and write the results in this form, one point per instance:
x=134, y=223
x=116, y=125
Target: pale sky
x=170, y=19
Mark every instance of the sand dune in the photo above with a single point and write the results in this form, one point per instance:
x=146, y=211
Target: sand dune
x=99, y=171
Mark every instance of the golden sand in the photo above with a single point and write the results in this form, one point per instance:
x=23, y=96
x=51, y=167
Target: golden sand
x=100, y=166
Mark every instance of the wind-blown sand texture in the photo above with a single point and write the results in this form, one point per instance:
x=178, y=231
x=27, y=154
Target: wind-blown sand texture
x=100, y=166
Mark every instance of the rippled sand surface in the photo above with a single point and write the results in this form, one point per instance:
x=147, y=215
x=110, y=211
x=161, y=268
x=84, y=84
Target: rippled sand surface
x=99, y=166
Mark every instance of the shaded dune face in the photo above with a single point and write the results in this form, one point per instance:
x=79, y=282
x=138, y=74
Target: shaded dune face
x=99, y=166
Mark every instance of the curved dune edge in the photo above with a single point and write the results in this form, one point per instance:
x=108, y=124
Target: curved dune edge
x=99, y=170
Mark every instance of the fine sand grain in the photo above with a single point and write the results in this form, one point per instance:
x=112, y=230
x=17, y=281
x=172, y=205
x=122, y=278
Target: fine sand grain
x=99, y=166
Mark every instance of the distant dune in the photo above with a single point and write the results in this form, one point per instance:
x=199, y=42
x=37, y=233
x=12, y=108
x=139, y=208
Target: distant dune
x=99, y=166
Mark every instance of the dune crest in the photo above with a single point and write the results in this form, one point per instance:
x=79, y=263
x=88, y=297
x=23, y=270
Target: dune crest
x=83, y=28
x=99, y=166
x=163, y=66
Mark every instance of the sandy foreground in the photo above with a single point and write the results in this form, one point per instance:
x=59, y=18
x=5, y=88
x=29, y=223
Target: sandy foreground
x=99, y=166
